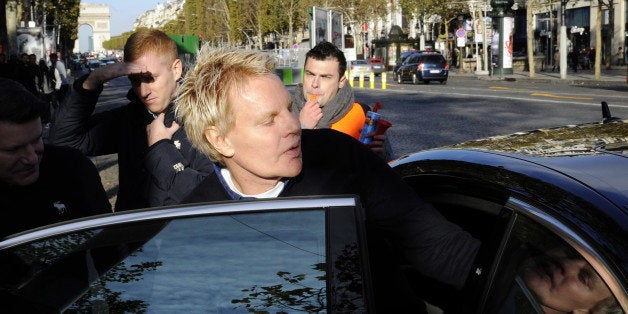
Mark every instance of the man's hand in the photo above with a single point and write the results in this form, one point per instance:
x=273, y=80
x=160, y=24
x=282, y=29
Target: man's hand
x=104, y=74
x=157, y=130
x=310, y=114
x=377, y=144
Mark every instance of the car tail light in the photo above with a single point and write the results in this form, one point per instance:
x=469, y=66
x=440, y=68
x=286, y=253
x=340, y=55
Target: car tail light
x=420, y=67
x=446, y=66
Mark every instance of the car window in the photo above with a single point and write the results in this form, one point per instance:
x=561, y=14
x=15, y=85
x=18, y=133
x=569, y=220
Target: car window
x=411, y=59
x=434, y=59
x=218, y=263
x=541, y=271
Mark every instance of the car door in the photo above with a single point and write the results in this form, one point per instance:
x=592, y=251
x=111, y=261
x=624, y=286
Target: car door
x=545, y=264
x=521, y=222
x=305, y=254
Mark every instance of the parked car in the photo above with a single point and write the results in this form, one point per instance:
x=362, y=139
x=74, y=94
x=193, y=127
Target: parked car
x=378, y=66
x=404, y=55
x=424, y=67
x=522, y=195
x=360, y=67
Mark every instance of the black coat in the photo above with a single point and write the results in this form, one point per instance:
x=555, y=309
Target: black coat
x=122, y=130
x=337, y=164
x=68, y=187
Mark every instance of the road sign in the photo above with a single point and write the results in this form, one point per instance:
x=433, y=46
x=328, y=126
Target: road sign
x=461, y=33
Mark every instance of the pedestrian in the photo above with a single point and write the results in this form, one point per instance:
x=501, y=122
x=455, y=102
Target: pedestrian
x=619, y=55
x=40, y=184
x=56, y=63
x=325, y=100
x=238, y=112
x=23, y=74
x=573, y=59
x=144, y=132
x=556, y=60
x=49, y=84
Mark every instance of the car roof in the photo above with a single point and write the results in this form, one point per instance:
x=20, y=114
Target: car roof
x=588, y=160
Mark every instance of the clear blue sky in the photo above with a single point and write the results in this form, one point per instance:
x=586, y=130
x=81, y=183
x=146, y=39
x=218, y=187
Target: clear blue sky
x=124, y=12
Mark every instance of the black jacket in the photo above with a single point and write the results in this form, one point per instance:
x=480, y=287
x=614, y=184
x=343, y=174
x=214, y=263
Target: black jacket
x=335, y=164
x=68, y=187
x=123, y=131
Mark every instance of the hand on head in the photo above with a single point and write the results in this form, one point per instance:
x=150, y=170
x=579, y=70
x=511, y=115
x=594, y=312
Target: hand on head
x=111, y=71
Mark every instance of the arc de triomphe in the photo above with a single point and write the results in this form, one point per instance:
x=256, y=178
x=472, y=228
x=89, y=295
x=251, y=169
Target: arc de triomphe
x=98, y=17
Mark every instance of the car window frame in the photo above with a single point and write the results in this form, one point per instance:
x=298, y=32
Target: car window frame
x=335, y=208
x=529, y=209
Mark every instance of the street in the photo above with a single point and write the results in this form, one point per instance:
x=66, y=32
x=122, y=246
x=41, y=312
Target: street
x=430, y=115
x=426, y=116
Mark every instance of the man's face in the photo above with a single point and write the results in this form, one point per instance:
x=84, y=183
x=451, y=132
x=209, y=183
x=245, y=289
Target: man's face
x=264, y=144
x=564, y=283
x=322, y=79
x=21, y=148
x=157, y=85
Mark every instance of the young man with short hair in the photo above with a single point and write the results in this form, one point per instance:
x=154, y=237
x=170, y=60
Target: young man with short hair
x=144, y=132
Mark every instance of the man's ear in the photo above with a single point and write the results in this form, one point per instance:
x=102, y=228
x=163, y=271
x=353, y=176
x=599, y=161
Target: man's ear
x=218, y=141
x=343, y=81
x=177, y=67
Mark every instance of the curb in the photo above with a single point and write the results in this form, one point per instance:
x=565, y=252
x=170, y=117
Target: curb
x=616, y=81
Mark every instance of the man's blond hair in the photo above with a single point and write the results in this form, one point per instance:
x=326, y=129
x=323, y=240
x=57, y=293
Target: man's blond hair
x=203, y=97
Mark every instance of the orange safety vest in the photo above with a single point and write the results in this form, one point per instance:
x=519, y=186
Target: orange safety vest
x=352, y=122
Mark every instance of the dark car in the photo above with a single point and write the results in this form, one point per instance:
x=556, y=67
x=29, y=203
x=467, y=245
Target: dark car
x=404, y=55
x=424, y=67
x=553, y=198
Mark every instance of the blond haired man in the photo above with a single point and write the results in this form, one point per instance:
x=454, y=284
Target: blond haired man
x=238, y=112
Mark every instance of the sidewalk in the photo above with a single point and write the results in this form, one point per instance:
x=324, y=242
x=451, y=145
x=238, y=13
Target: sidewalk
x=616, y=76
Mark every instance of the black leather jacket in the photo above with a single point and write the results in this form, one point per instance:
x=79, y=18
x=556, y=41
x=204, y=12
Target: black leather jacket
x=161, y=175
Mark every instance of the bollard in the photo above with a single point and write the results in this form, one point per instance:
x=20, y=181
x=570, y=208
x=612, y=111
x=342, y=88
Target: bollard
x=384, y=80
x=361, y=80
x=351, y=82
x=372, y=80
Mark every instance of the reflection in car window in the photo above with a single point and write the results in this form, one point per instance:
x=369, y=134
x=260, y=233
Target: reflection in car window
x=541, y=273
x=263, y=261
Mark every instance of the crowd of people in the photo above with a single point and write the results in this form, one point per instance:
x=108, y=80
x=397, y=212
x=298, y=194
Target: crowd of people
x=46, y=78
x=230, y=130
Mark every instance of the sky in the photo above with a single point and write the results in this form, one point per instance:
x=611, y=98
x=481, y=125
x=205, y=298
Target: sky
x=123, y=15
x=124, y=12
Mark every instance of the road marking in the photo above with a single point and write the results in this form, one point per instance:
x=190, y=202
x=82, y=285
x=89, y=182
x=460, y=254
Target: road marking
x=507, y=88
x=498, y=97
x=557, y=96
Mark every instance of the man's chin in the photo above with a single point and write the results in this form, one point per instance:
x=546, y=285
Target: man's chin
x=293, y=169
x=27, y=180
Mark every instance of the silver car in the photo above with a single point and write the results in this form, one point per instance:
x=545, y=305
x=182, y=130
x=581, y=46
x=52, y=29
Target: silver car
x=360, y=67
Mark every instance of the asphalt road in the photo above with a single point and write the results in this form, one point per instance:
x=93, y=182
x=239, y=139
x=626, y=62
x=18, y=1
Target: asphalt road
x=466, y=108
x=433, y=115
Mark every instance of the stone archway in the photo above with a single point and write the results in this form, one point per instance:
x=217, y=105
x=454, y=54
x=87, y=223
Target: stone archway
x=98, y=17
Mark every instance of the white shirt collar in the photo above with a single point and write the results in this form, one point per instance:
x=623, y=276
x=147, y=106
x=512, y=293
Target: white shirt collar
x=274, y=192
